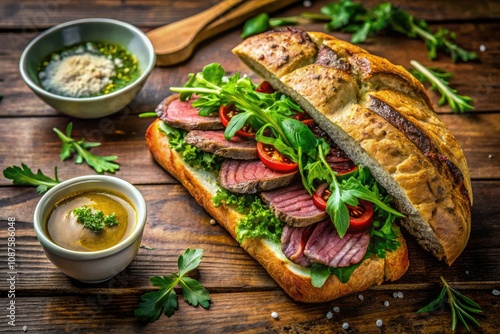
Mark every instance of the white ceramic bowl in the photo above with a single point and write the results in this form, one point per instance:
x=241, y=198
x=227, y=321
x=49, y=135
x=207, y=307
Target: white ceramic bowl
x=80, y=31
x=98, y=266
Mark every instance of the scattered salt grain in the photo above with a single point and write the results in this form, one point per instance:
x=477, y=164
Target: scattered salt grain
x=336, y=309
x=379, y=323
x=495, y=292
x=361, y=297
x=212, y=222
x=466, y=272
x=400, y=294
x=274, y=315
x=395, y=295
x=345, y=325
x=490, y=156
x=25, y=329
x=386, y=303
x=482, y=47
x=329, y=315
x=307, y=3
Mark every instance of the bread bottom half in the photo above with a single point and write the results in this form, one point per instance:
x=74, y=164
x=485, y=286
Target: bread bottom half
x=294, y=279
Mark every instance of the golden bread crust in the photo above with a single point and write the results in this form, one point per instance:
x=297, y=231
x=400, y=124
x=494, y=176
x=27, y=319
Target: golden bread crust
x=294, y=281
x=381, y=116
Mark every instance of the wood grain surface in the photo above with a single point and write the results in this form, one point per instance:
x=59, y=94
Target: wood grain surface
x=243, y=294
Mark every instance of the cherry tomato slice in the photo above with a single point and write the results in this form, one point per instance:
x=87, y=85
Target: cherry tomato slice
x=265, y=87
x=360, y=217
x=225, y=114
x=274, y=160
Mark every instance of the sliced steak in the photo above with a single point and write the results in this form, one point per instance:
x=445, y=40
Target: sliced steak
x=293, y=205
x=293, y=242
x=325, y=246
x=183, y=115
x=215, y=142
x=251, y=176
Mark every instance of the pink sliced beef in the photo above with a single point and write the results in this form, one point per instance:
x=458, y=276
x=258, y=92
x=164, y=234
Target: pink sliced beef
x=320, y=243
x=293, y=205
x=251, y=176
x=182, y=115
x=215, y=142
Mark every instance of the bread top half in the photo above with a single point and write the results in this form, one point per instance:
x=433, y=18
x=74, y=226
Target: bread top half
x=381, y=116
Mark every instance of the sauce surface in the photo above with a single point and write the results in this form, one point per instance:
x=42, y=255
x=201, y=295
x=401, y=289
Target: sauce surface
x=88, y=69
x=64, y=229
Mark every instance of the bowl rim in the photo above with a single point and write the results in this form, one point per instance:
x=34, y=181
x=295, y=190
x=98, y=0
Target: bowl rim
x=40, y=90
x=38, y=218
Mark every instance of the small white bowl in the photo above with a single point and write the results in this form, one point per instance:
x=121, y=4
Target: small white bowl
x=81, y=31
x=98, y=266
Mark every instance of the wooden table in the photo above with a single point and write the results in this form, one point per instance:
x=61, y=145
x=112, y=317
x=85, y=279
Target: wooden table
x=243, y=295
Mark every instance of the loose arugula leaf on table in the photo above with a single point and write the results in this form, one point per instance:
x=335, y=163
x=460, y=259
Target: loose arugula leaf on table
x=459, y=304
x=165, y=299
x=24, y=176
x=439, y=81
x=81, y=149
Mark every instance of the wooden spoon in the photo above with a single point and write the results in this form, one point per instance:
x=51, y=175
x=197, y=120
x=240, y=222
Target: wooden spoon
x=179, y=35
x=166, y=40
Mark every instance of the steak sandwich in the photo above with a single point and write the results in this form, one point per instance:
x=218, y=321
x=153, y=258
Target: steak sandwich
x=314, y=169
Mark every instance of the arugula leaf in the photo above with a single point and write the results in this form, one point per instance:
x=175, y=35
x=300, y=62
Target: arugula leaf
x=24, y=176
x=81, y=149
x=165, y=299
x=439, y=81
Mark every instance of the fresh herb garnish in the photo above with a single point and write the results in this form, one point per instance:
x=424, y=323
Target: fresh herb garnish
x=24, y=176
x=81, y=149
x=165, y=299
x=148, y=114
x=353, y=17
x=459, y=304
x=269, y=115
x=95, y=221
x=439, y=81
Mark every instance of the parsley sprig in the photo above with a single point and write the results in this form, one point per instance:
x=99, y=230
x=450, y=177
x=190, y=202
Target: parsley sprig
x=82, y=150
x=165, y=299
x=269, y=115
x=95, y=221
x=439, y=80
x=24, y=176
x=459, y=304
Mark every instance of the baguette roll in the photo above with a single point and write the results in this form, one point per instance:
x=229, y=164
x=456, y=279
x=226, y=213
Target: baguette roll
x=381, y=116
x=294, y=279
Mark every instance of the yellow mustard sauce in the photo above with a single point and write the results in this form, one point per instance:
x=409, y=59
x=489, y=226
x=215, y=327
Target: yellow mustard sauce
x=64, y=229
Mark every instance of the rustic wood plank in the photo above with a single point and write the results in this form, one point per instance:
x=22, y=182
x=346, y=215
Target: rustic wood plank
x=102, y=313
x=35, y=15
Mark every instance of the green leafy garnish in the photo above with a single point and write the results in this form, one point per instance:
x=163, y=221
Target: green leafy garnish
x=269, y=115
x=24, y=176
x=148, y=114
x=352, y=17
x=95, y=221
x=81, y=149
x=165, y=299
x=459, y=304
x=439, y=81
x=191, y=154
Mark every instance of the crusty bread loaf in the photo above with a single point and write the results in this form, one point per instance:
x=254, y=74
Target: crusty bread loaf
x=381, y=116
x=294, y=279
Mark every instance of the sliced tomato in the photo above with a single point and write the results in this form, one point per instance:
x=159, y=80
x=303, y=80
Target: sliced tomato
x=225, y=114
x=320, y=196
x=265, y=87
x=274, y=160
x=360, y=216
